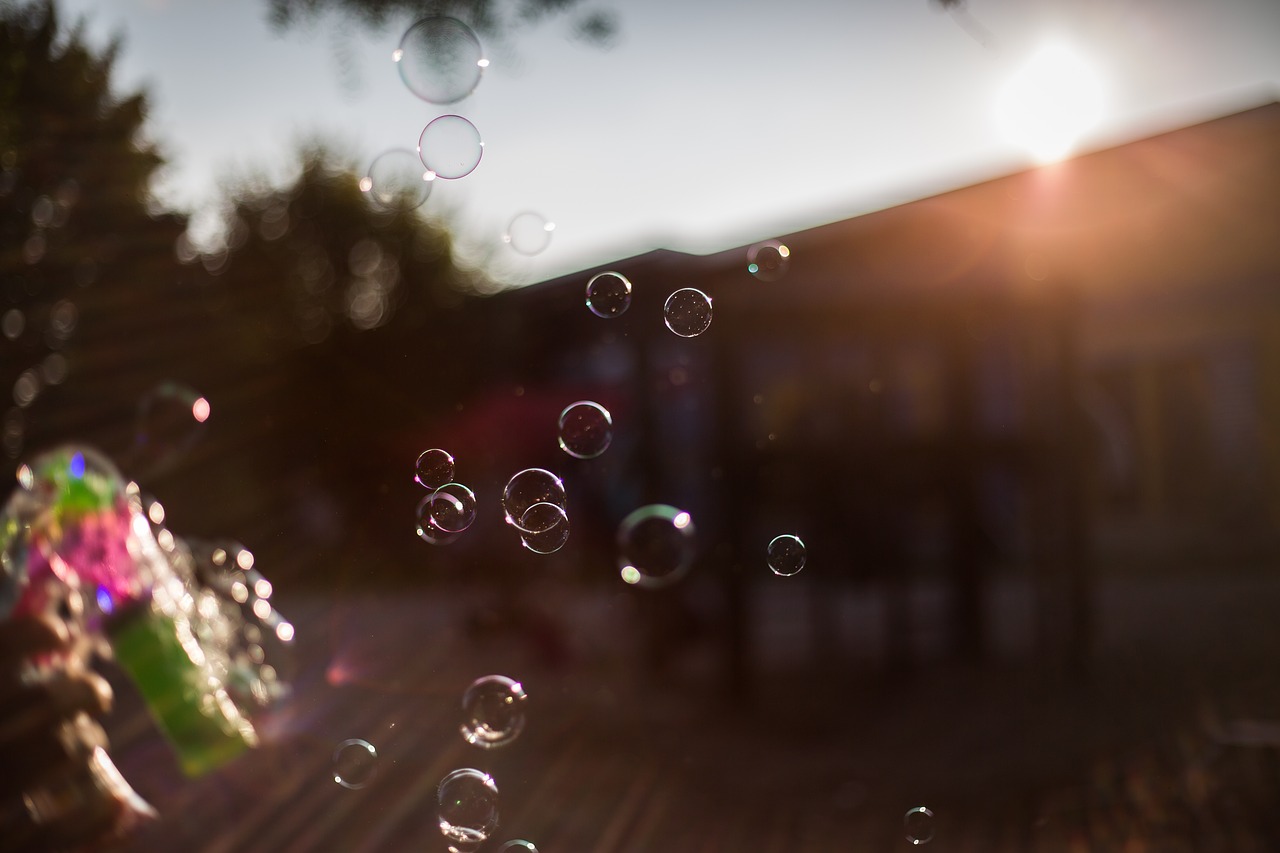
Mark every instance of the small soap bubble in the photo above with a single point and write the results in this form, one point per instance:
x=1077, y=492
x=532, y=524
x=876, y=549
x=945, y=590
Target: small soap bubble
x=528, y=487
x=786, y=555
x=454, y=508
x=396, y=181
x=687, y=312
x=529, y=233
x=544, y=528
x=426, y=528
x=355, y=763
x=493, y=710
x=519, y=846
x=655, y=545
x=169, y=422
x=768, y=261
x=434, y=468
x=585, y=429
x=450, y=147
x=468, y=807
x=440, y=60
x=608, y=294
x=918, y=824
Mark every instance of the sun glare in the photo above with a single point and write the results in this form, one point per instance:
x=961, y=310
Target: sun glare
x=1050, y=103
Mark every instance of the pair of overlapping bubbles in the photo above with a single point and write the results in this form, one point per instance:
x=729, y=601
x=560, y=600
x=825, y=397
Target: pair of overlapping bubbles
x=450, y=508
x=534, y=503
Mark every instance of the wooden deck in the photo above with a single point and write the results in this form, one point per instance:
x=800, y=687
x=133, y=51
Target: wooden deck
x=1009, y=757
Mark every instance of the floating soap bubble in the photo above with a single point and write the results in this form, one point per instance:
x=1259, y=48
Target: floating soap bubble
x=585, y=429
x=768, y=261
x=608, y=294
x=450, y=147
x=544, y=528
x=355, y=763
x=397, y=181
x=454, y=508
x=440, y=60
x=531, y=486
x=467, y=807
x=655, y=545
x=434, y=468
x=426, y=528
x=519, y=846
x=169, y=422
x=493, y=711
x=786, y=555
x=687, y=312
x=529, y=233
x=918, y=824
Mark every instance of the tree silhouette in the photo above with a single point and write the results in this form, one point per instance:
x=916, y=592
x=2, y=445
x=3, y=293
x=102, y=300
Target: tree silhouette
x=74, y=217
x=490, y=17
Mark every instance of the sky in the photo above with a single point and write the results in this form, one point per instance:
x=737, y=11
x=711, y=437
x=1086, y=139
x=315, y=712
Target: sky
x=703, y=125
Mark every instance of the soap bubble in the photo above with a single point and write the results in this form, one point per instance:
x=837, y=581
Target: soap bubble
x=786, y=555
x=454, y=508
x=544, y=528
x=355, y=763
x=529, y=233
x=918, y=823
x=608, y=294
x=440, y=60
x=655, y=545
x=768, y=261
x=426, y=528
x=585, y=429
x=687, y=312
x=519, y=846
x=396, y=181
x=468, y=807
x=434, y=468
x=493, y=711
x=170, y=418
x=450, y=147
x=530, y=486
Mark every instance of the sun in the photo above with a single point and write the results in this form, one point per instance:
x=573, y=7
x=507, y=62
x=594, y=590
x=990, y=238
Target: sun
x=1051, y=102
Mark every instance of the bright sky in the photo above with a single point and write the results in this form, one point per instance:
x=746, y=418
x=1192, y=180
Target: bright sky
x=708, y=124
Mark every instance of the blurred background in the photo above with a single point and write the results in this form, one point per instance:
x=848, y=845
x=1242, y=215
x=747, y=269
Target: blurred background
x=1002, y=349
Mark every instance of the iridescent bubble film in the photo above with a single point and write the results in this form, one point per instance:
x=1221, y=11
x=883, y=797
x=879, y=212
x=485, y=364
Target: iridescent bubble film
x=440, y=59
x=918, y=824
x=655, y=545
x=434, y=468
x=529, y=233
x=454, y=508
x=544, y=528
x=585, y=429
x=786, y=555
x=687, y=312
x=493, y=709
x=396, y=181
x=768, y=261
x=355, y=763
x=171, y=419
x=424, y=524
x=528, y=487
x=467, y=807
x=450, y=147
x=608, y=294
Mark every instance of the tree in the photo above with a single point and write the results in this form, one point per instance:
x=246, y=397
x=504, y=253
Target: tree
x=490, y=17
x=75, y=224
